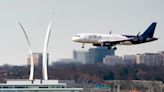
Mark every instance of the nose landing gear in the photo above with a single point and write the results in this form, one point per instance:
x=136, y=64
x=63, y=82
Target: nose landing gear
x=82, y=45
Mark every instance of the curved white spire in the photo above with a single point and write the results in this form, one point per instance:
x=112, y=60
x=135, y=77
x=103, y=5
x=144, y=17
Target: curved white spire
x=45, y=62
x=31, y=77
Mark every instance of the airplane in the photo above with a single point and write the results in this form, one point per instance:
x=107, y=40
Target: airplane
x=111, y=40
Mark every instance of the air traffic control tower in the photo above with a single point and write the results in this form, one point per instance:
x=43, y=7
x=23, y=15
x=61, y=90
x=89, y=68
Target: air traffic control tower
x=37, y=85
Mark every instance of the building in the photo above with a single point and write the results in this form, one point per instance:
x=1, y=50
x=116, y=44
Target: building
x=161, y=53
x=66, y=61
x=81, y=56
x=129, y=59
x=93, y=55
x=37, y=59
x=112, y=60
x=149, y=59
x=138, y=60
x=96, y=55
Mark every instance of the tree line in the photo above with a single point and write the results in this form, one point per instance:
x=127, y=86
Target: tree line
x=86, y=72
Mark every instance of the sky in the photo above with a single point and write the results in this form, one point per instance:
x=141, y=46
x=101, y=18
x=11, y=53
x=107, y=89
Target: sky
x=73, y=17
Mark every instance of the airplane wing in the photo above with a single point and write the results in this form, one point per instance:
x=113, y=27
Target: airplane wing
x=112, y=43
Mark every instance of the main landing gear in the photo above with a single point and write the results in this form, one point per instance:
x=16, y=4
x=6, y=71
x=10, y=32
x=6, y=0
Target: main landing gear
x=115, y=48
x=110, y=47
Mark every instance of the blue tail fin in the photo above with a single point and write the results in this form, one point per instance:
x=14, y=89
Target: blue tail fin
x=149, y=31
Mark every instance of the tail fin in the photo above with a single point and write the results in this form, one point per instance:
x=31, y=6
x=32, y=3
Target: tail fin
x=149, y=31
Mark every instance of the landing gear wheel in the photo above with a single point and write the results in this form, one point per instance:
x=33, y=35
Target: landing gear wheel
x=82, y=46
x=109, y=47
x=115, y=48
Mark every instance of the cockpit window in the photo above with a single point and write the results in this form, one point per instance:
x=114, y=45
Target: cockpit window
x=77, y=35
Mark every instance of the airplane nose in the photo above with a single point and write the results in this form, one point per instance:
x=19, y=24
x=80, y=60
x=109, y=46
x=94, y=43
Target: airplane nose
x=74, y=39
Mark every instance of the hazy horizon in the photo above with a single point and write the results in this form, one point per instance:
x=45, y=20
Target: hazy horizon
x=73, y=17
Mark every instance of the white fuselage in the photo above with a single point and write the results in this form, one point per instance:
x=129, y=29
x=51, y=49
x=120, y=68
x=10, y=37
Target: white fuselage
x=110, y=40
x=95, y=38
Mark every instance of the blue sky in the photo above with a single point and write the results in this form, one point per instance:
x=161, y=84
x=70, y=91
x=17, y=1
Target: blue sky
x=72, y=17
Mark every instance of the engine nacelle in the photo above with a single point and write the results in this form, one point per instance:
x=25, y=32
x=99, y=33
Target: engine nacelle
x=103, y=44
x=96, y=44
